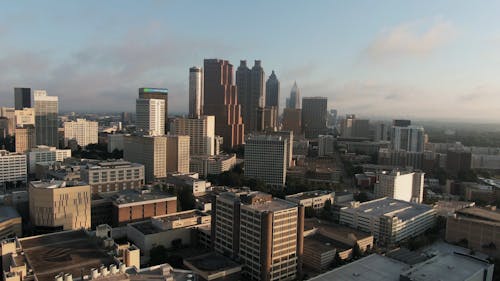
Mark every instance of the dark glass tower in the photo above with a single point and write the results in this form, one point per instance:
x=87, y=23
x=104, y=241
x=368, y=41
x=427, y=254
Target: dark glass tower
x=22, y=98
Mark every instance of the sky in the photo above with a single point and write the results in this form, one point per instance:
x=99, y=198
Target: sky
x=436, y=60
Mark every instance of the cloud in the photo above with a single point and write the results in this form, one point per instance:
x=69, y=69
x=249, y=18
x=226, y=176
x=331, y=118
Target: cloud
x=411, y=39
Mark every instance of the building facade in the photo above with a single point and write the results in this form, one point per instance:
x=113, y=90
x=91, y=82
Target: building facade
x=266, y=159
x=13, y=168
x=212, y=165
x=314, y=116
x=201, y=131
x=81, y=130
x=25, y=138
x=150, y=115
x=150, y=151
x=159, y=94
x=292, y=120
x=25, y=116
x=46, y=154
x=406, y=186
x=178, y=154
x=251, y=94
x=294, y=100
x=46, y=115
x=113, y=176
x=195, y=92
x=22, y=98
x=409, y=138
x=314, y=199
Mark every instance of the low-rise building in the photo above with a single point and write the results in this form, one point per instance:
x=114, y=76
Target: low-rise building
x=46, y=154
x=320, y=251
x=389, y=220
x=115, y=141
x=448, y=208
x=315, y=199
x=213, y=266
x=406, y=186
x=106, y=176
x=191, y=180
x=13, y=168
x=212, y=165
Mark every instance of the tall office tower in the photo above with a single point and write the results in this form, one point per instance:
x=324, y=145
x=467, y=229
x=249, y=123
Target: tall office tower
x=244, y=85
x=150, y=115
x=13, y=168
x=406, y=186
x=178, y=154
x=201, y=131
x=81, y=130
x=266, y=159
x=25, y=138
x=250, y=84
x=294, y=100
x=46, y=123
x=22, y=97
x=401, y=122
x=9, y=113
x=25, y=116
x=221, y=100
x=59, y=205
x=353, y=127
x=292, y=120
x=159, y=94
x=314, y=116
x=409, y=138
x=195, y=91
x=264, y=233
x=150, y=151
x=273, y=91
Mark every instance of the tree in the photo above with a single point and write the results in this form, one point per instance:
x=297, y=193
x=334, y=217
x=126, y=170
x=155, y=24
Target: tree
x=328, y=205
x=309, y=212
x=186, y=198
x=337, y=261
x=356, y=251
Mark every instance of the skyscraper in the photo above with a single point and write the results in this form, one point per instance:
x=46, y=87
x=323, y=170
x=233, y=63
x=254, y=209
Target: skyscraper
x=409, y=138
x=46, y=114
x=250, y=84
x=221, y=100
x=201, y=131
x=150, y=115
x=150, y=151
x=177, y=154
x=22, y=97
x=160, y=94
x=314, y=116
x=195, y=91
x=272, y=91
x=294, y=100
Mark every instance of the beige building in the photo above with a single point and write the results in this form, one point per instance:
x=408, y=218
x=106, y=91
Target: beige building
x=59, y=205
x=25, y=116
x=479, y=228
x=315, y=199
x=46, y=154
x=25, y=138
x=178, y=154
x=109, y=176
x=201, y=131
x=212, y=165
x=150, y=151
x=81, y=130
x=406, y=186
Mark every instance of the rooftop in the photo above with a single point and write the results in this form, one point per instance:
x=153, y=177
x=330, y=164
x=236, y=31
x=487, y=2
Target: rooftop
x=211, y=263
x=55, y=184
x=321, y=244
x=129, y=196
x=112, y=164
x=391, y=207
x=480, y=213
x=371, y=268
x=7, y=213
x=309, y=194
x=332, y=228
x=69, y=252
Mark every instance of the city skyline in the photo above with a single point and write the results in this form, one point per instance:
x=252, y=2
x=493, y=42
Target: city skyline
x=373, y=61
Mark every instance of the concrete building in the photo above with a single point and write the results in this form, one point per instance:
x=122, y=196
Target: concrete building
x=314, y=199
x=109, y=176
x=458, y=160
x=150, y=115
x=212, y=165
x=11, y=224
x=389, y=220
x=314, y=116
x=9, y=113
x=201, y=131
x=406, y=186
x=81, y=130
x=115, y=141
x=266, y=159
x=22, y=98
x=59, y=205
x=251, y=94
x=292, y=120
x=192, y=181
x=478, y=227
x=409, y=138
x=25, y=138
x=46, y=154
x=219, y=268
x=25, y=116
x=326, y=145
x=221, y=101
x=353, y=127
x=13, y=168
x=46, y=114
x=178, y=154
x=266, y=234
x=294, y=101
x=157, y=94
x=195, y=92
x=150, y=151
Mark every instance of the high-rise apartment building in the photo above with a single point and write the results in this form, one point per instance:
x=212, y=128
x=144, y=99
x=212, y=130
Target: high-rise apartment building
x=25, y=138
x=406, y=186
x=178, y=154
x=150, y=151
x=314, y=116
x=294, y=100
x=150, y=115
x=221, y=100
x=13, y=168
x=59, y=205
x=250, y=84
x=266, y=159
x=158, y=94
x=264, y=233
x=292, y=120
x=46, y=114
x=81, y=130
x=195, y=92
x=409, y=138
x=201, y=131
x=22, y=98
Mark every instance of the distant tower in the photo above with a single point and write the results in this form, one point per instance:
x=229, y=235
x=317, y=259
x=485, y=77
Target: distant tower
x=294, y=100
x=46, y=123
x=272, y=91
x=314, y=116
x=22, y=97
x=221, y=100
x=195, y=91
x=250, y=84
x=156, y=93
